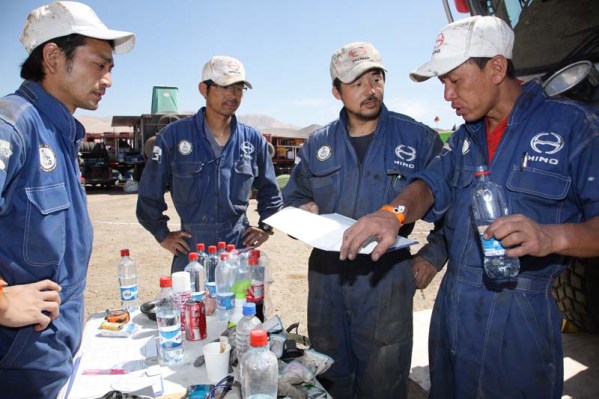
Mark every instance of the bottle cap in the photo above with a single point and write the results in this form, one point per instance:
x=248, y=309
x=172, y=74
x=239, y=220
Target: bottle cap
x=221, y=245
x=165, y=281
x=198, y=296
x=181, y=282
x=192, y=256
x=249, y=308
x=230, y=247
x=200, y=247
x=253, y=261
x=256, y=253
x=124, y=252
x=224, y=256
x=212, y=249
x=258, y=338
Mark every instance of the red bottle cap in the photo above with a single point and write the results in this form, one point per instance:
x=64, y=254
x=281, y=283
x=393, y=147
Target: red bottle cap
x=124, y=252
x=221, y=245
x=166, y=281
x=258, y=338
x=212, y=249
x=200, y=247
x=192, y=256
x=230, y=247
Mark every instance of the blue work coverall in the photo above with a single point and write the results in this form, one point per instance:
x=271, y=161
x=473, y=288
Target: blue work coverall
x=211, y=195
x=360, y=311
x=45, y=233
x=503, y=341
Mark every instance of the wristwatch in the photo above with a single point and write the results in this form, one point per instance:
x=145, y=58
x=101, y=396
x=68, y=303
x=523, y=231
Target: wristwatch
x=266, y=228
x=397, y=211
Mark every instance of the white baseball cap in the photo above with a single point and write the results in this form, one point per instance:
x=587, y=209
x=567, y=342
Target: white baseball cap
x=476, y=36
x=62, y=18
x=353, y=59
x=224, y=71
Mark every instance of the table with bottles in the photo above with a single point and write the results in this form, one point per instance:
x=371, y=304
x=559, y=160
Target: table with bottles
x=131, y=363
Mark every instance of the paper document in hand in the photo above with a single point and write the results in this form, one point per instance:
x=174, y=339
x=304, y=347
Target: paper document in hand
x=322, y=231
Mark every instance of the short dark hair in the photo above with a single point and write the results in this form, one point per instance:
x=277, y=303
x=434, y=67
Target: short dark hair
x=32, y=68
x=482, y=61
x=337, y=82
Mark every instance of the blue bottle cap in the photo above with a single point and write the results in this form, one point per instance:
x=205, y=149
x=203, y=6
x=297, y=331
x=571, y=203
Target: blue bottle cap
x=249, y=309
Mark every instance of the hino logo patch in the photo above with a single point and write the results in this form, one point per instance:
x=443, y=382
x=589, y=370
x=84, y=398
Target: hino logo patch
x=547, y=143
x=247, y=149
x=47, y=158
x=184, y=147
x=405, y=152
x=156, y=154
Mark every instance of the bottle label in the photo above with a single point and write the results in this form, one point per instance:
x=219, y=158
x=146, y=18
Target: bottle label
x=225, y=301
x=170, y=336
x=256, y=292
x=492, y=247
x=129, y=293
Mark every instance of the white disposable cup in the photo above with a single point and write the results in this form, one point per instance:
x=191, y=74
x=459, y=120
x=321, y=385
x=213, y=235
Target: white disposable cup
x=217, y=363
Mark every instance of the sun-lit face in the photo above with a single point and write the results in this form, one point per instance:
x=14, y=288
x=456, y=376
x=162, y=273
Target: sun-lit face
x=82, y=81
x=363, y=97
x=224, y=100
x=470, y=90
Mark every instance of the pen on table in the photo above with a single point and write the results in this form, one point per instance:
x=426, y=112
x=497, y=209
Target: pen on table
x=104, y=371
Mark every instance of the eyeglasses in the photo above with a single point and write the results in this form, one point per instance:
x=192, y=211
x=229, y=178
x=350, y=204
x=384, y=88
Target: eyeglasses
x=237, y=90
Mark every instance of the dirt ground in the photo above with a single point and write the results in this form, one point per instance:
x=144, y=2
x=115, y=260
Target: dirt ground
x=115, y=227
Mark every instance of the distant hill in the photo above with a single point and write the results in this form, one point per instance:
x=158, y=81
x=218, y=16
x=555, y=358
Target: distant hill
x=264, y=123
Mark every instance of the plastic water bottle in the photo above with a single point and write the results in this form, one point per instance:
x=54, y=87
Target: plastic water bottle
x=128, y=281
x=196, y=273
x=256, y=292
x=248, y=322
x=202, y=254
x=259, y=369
x=221, y=247
x=168, y=318
x=211, y=262
x=225, y=278
x=182, y=292
x=489, y=203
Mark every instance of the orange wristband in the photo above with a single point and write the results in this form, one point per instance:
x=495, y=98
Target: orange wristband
x=397, y=211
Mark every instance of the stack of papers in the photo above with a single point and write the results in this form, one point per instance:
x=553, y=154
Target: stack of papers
x=322, y=231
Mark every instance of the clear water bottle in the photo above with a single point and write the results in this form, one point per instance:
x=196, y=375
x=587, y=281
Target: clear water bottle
x=211, y=262
x=489, y=203
x=196, y=273
x=256, y=292
x=225, y=278
x=168, y=318
x=248, y=322
x=259, y=369
x=202, y=254
x=127, y=272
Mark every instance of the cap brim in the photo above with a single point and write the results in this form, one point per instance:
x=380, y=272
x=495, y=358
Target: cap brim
x=229, y=82
x=123, y=41
x=436, y=67
x=356, y=72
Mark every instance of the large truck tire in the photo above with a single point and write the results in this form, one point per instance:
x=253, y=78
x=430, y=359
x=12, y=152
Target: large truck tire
x=576, y=291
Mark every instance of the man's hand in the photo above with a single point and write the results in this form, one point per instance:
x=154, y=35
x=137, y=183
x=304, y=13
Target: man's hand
x=22, y=305
x=310, y=207
x=254, y=237
x=424, y=272
x=381, y=226
x=524, y=234
x=175, y=242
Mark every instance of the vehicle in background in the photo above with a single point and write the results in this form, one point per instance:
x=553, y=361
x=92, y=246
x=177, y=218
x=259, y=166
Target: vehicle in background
x=557, y=44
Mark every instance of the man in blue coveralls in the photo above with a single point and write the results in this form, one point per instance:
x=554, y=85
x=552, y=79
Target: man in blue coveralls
x=211, y=163
x=45, y=230
x=490, y=340
x=360, y=311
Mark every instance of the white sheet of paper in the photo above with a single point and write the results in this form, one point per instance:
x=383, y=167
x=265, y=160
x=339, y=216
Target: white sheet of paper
x=322, y=231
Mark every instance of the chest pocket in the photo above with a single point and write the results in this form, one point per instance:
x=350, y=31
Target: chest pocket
x=188, y=178
x=397, y=180
x=45, y=229
x=241, y=181
x=325, y=185
x=538, y=193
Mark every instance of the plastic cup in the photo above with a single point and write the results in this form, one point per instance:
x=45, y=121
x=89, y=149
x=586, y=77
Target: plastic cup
x=217, y=363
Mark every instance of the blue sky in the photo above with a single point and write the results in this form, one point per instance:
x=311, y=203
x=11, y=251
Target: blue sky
x=285, y=45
